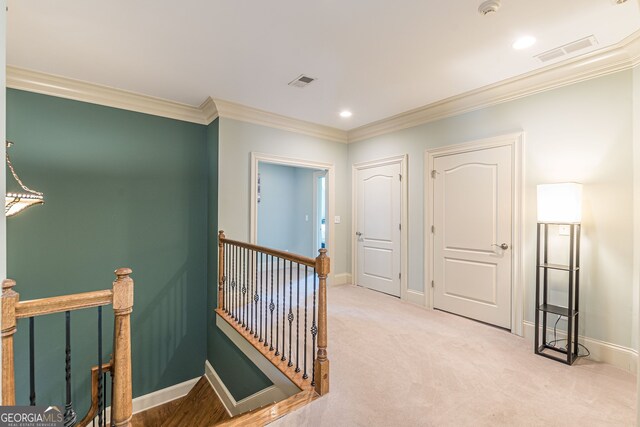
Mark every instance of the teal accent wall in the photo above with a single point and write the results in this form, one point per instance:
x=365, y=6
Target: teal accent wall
x=122, y=189
x=241, y=377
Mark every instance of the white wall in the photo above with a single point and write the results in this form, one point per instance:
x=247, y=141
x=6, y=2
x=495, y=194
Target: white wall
x=237, y=141
x=580, y=133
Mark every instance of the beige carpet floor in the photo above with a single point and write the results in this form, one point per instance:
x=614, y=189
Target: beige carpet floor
x=394, y=364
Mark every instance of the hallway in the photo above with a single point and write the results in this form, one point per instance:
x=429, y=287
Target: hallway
x=394, y=364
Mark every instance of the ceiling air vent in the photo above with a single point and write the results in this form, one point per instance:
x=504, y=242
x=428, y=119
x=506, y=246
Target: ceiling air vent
x=567, y=49
x=302, y=81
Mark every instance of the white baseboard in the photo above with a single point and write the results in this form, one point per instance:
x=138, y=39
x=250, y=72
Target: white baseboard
x=342, y=279
x=601, y=351
x=257, y=400
x=415, y=297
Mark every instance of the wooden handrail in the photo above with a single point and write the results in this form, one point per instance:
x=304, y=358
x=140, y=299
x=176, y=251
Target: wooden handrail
x=43, y=306
x=121, y=298
x=300, y=259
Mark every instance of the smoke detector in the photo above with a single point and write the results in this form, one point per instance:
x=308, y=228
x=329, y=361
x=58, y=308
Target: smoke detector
x=489, y=6
x=302, y=81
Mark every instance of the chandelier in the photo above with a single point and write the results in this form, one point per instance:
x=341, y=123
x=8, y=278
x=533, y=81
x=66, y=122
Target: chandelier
x=17, y=202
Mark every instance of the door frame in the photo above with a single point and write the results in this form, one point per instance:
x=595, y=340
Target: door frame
x=516, y=142
x=316, y=176
x=256, y=158
x=402, y=159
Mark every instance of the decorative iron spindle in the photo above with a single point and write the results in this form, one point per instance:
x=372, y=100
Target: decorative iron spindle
x=277, y=353
x=290, y=316
x=284, y=305
x=235, y=283
x=297, y=317
x=259, y=302
x=244, y=287
x=69, y=413
x=104, y=399
x=32, y=363
x=314, y=332
x=100, y=391
x=256, y=298
x=306, y=276
x=265, y=299
x=271, y=308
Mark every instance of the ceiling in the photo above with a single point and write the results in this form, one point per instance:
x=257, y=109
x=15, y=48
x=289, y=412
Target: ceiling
x=376, y=58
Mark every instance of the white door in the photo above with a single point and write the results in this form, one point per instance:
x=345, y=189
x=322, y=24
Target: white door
x=472, y=234
x=378, y=228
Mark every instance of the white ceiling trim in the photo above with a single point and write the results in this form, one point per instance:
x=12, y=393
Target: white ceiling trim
x=622, y=56
x=63, y=87
x=243, y=113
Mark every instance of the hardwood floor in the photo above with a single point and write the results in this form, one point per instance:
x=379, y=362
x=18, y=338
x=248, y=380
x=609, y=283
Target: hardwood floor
x=200, y=408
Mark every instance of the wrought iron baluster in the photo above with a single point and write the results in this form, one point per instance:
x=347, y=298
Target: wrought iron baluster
x=104, y=398
x=256, y=296
x=263, y=301
x=306, y=276
x=271, y=307
x=284, y=306
x=314, y=332
x=297, y=317
x=69, y=413
x=236, y=276
x=290, y=317
x=245, y=253
x=100, y=391
x=32, y=363
x=259, y=302
x=225, y=278
x=277, y=353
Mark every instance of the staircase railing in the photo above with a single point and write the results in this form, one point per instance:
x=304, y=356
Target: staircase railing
x=120, y=296
x=278, y=301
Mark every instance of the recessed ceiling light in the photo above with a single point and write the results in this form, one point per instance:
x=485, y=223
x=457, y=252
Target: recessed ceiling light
x=345, y=114
x=524, y=42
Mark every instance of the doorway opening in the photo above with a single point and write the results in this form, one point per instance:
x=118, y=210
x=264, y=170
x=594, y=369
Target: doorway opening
x=292, y=201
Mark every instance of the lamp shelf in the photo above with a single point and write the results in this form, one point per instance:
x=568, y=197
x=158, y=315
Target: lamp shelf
x=544, y=308
x=559, y=310
x=559, y=267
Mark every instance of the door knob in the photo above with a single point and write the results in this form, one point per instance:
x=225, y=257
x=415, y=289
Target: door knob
x=503, y=246
x=358, y=233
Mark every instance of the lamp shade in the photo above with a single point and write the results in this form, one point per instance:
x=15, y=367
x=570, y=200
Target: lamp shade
x=560, y=203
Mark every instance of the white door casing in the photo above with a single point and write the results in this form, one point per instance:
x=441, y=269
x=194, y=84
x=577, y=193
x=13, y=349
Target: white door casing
x=378, y=218
x=256, y=158
x=462, y=250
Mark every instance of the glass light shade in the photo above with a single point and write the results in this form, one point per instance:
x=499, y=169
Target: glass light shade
x=560, y=203
x=17, y=202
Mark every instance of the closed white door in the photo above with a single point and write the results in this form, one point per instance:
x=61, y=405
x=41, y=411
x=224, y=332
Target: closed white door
x=378, y=228
x=472, y=212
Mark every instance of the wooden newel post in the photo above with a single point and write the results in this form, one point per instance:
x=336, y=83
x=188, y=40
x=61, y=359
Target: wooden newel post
x=221, y=277
x=122, y=308
x=322, y=362
x=9, y=300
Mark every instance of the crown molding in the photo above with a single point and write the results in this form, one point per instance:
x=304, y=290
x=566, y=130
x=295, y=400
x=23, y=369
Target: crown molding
x=231, y=110
x=621, y=56
x=63, y=87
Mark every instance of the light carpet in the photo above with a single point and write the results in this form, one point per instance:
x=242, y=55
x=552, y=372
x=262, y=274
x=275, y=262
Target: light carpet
x=394, y=364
